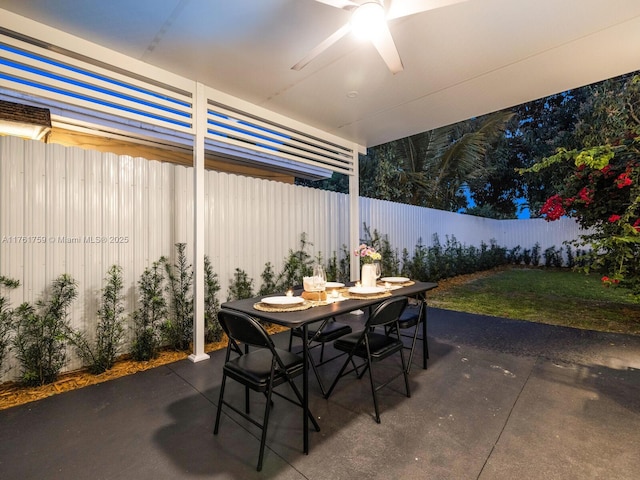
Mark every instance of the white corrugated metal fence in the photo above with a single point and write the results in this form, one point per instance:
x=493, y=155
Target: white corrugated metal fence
x=75, y=211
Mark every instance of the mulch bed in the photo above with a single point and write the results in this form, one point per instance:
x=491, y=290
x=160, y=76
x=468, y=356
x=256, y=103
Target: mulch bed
x=14, y=393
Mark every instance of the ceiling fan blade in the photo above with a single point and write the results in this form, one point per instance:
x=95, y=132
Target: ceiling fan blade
x=337, y=35
x=345, y=4
x=403, y=8
x=387, y=48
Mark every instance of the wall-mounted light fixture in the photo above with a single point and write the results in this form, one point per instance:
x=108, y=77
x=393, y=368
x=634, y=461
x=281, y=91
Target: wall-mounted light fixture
x=24, y=121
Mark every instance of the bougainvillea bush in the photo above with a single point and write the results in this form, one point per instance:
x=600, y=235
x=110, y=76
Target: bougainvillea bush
x=602, y=193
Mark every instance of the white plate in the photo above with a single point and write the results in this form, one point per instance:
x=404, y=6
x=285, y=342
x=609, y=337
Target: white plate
x=395, y=279
x=366, y=290
x=283, y=300
x=334, y=285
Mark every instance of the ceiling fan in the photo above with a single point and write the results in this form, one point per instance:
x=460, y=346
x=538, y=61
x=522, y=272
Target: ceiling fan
x=369, y=20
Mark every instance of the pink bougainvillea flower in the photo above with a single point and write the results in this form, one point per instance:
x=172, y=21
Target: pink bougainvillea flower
x=623, y=180
x=636, y=225
x=586, y=195
x=553, y=208
x=614, y=218
x=608, y=281
x=606, y=169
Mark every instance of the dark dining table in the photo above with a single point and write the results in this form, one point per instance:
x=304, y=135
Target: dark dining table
x=302, y=318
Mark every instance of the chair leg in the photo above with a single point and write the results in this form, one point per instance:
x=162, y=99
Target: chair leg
x=425, y=344
x=219, y=409
x=301, y=400
x=355, y=367
x=373, y=391
x=413, y=347
x=335, y=382
x=317, y=373
x=265, y=422
x=405, y=373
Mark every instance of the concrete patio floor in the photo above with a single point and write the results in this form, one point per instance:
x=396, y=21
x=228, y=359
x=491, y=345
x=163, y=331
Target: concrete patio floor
x=501, y=399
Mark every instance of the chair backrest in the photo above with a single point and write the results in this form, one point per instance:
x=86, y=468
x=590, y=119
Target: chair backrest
x=387, y=312
x=243, y=328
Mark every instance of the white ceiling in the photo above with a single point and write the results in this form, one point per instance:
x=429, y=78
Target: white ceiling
x=460, y=61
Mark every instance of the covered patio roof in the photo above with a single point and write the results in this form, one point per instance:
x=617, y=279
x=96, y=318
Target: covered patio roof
x=460, y=60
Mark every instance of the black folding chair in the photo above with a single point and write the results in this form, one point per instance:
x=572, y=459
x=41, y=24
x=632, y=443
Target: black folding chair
x=260, y=370
x=373, y=346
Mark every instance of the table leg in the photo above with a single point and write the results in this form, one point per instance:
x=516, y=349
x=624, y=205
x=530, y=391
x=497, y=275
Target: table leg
x=305, y=387
x=425, y=348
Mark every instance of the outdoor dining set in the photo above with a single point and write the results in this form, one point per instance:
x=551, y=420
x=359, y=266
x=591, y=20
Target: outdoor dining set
x=391, y=308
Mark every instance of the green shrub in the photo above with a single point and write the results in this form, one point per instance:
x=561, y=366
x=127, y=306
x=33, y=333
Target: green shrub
x=492, y=255
x=332, y=268
x=389, y=263
x=535, y=255
x=571, y=259
x=241, y=286
x=405, y=261
x=421, y=262
x=339, y=267
x=268, y=280
x=553, y=257
x=297, y=265
x=40, y=333
x=100, y=355
x=431, y=263
x=151, y=312
x=6, y=317
x=177, y=329
x=344, y=266
x=390, y=259
x=515, y=256
x=212, y=328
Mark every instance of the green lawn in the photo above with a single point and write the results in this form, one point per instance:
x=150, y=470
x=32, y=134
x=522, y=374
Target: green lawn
x=548, y=296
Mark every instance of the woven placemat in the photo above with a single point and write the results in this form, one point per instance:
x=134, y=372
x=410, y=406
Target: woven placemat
x=397, y=285
x=356, y=296
x=265, y=307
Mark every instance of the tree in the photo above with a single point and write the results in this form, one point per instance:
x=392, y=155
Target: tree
x=533, y=133
x=431, y=168
x=584, y=117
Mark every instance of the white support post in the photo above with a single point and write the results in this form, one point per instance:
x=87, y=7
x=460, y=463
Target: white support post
x=354, y=217
x=354, y=221
x=200, y=114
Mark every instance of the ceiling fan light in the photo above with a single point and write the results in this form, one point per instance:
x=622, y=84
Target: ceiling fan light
x=368, y=20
